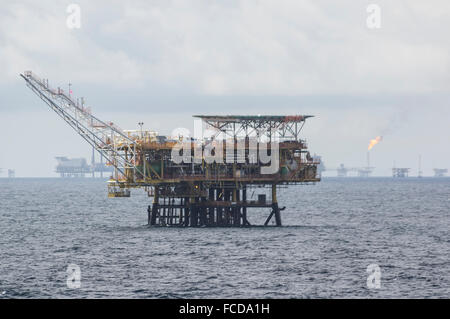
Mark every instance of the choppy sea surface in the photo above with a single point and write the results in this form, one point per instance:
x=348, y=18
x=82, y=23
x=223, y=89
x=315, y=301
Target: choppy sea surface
x=332, y=232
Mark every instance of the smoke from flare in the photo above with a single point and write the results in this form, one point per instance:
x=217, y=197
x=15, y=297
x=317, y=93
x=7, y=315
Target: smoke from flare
x=374, y=142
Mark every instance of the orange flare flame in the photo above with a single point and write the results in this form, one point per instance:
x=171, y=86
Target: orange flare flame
x=374, y=142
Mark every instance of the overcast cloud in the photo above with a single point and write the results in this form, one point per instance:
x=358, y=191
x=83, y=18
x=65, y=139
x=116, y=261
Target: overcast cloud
x=162, y=61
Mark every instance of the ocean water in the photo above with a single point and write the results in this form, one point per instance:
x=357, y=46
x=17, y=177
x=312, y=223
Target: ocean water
x=332, y=232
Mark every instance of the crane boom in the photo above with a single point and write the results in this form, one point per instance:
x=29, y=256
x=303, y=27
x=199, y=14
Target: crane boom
x=110, y=141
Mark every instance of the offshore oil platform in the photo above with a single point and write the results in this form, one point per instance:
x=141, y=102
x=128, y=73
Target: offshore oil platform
x=200, y=180
x=79, y=167
x=72, y=167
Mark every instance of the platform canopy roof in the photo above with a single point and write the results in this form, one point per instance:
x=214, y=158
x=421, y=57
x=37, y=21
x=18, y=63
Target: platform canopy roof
x=256, y=118
x=287, y=126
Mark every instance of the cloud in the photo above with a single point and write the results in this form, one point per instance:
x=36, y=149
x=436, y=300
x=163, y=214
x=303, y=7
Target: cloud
x=36, y=38
x=161, y=61
x=233, y=47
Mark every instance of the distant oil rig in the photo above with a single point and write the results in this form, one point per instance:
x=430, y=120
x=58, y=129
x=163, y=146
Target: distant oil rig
x=402, y=172
x=440, y=172
x=343, y=171
x=200, y=181
x=397, y=172
x=79, y=167
x=11, y=172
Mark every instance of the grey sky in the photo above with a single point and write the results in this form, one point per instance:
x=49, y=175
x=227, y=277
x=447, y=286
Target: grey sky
x=162, y=61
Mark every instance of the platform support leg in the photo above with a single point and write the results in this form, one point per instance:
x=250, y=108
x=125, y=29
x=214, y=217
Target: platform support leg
x=237, y=209
x=210, y=217
x=194, y=212
x=154, y=214
x=187, y=211
x=149, y=214
x=203, y=212
x=219, y=210
x=277, y=214
x=244, y=208
x=275, y=209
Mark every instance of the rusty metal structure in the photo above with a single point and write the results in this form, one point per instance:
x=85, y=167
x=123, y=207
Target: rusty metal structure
x=195, y=180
